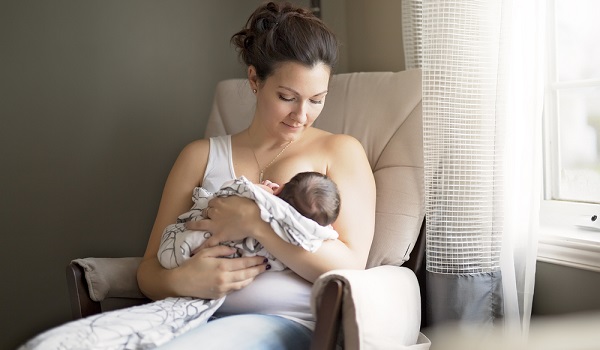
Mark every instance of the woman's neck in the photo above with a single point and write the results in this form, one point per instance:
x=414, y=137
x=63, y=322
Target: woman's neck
x=260, y=141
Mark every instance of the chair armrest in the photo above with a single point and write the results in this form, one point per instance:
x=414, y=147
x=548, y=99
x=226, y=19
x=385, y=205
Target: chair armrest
x=81, y=303
x=381, y=307
x=328, y=315
x=111, y=277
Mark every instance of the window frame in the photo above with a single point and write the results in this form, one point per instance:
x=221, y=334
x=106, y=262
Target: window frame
x=564, y=238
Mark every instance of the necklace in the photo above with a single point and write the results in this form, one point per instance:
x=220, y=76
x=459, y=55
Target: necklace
x=261, y=171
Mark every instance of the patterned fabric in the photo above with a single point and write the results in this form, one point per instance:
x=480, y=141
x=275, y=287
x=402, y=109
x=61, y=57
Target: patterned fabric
x=150, y=325
x=139, y=327
x=177, y=243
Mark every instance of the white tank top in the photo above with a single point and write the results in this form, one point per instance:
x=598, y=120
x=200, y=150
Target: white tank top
x=281, y=293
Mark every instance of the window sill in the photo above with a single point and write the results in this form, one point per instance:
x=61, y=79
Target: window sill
x=563, y=242
x=563, y=249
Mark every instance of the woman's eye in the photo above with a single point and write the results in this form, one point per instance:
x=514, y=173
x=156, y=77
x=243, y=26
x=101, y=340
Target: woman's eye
x=317, y=102
x=283, y=98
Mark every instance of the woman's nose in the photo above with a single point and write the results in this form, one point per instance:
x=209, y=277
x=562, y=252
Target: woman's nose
x=300, y=114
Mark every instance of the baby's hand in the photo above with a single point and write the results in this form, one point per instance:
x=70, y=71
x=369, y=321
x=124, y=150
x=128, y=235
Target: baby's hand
x=273, y=186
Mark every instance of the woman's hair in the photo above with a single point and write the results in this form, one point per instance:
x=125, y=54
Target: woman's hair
x=314, y=195
x=277, y=33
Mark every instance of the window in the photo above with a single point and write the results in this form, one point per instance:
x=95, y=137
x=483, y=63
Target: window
x=570, y=235
x=573, y=101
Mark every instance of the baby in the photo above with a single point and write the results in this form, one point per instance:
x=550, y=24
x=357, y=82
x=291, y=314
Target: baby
x=309, y=195
x=313, y=194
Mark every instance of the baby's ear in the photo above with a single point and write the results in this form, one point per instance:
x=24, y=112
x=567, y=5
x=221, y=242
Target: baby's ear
x=277, y=191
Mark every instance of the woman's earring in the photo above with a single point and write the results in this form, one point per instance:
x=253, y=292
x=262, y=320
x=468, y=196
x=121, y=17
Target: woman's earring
x=254, y=90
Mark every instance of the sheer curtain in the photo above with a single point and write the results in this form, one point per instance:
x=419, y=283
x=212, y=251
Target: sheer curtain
x=482, y=67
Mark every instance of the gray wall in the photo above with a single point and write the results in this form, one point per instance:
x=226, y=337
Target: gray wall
x=370, y=33
x=96, y=100
x=561, y=290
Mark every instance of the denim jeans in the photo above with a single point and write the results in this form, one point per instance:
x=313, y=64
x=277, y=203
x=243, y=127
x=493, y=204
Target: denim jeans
x=248, y=331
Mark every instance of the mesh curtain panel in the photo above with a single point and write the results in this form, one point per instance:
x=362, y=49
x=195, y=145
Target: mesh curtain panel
x=482, y=64
x=412, y=33
x=462, y=144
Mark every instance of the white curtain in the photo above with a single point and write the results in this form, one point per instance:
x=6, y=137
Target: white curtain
x=482, y=63
x=523, y=64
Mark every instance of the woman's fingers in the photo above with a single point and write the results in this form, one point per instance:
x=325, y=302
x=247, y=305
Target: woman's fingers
x=200, y=225
x=245, y=263
x=244, y=276
x=217, y=251
x=220, y=251
x=232, y=280
x=229, y=219
x=228, y=274
x=205, y=225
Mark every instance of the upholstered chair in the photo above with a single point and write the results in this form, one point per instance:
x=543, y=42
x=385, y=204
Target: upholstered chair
x=376, y=308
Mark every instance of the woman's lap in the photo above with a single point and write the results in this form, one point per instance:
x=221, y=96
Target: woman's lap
x=249, y=331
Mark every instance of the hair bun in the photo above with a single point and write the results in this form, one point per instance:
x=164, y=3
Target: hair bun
x=280, y=32
x=265, y=24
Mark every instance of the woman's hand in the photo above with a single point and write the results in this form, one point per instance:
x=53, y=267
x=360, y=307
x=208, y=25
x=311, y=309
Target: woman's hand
x=206, y=274
x=230, y=219
x=209, y=276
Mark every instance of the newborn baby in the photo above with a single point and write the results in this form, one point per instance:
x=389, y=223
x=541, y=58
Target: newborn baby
x=300, y=212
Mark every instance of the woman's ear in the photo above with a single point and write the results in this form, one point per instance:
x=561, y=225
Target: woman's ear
x=253, y=78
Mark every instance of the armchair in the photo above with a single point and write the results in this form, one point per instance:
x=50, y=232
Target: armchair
x=377, y=308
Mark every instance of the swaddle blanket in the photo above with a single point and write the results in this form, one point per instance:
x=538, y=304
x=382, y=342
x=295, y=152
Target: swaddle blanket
x=150, y=325
x=177, y=243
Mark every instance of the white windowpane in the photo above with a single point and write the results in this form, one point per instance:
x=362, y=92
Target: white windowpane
x=575, y=108
x=579, y=144
x=578, y=39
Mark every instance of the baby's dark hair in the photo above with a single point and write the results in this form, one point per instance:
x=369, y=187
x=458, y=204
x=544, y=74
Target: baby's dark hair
x=281, y=32
x=314, y=195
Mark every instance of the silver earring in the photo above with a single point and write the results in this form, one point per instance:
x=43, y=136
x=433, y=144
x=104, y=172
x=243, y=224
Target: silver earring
x=254, y=90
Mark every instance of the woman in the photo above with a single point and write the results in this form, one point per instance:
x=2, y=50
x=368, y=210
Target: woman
x=290, y=55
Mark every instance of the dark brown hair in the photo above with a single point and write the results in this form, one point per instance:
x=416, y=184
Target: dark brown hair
x=277, y=33
x=314, y=195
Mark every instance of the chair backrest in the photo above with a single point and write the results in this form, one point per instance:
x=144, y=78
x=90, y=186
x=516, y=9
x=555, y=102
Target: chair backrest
x=383, y=111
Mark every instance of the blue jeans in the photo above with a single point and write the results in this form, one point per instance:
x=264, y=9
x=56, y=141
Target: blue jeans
x=247, y=331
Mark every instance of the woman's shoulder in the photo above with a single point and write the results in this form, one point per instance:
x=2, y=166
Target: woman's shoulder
x=195, y=150
x=338, y=142
x=327, y=138
x=197, y=145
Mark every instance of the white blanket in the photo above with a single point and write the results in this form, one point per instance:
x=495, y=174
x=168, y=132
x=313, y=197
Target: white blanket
x=150, y=325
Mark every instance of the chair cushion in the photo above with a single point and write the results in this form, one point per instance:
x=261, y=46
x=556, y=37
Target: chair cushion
x=381, y=308
x=383, y=111
x=111, y=277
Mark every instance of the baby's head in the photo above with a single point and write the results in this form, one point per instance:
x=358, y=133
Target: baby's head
x=314, y=195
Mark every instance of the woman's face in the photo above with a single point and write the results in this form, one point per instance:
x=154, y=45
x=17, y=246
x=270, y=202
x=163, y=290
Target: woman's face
x=291, y=98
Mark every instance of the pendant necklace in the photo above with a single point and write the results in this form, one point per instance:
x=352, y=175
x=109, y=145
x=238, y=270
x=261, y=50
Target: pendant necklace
x=261, y=171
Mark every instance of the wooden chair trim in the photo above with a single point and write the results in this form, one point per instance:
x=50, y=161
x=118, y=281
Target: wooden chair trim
x=81, y=303
x=329, y=316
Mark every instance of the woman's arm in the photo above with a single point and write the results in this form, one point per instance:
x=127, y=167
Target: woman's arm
x=349, y=168
x=235, y=217
x=205, y=275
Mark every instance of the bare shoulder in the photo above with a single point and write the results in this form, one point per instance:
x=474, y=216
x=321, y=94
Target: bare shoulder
x=342, y=153
x=333, y=141
x=197, y=147
x=341, y=146
x=344, y=140
x=191, y=162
